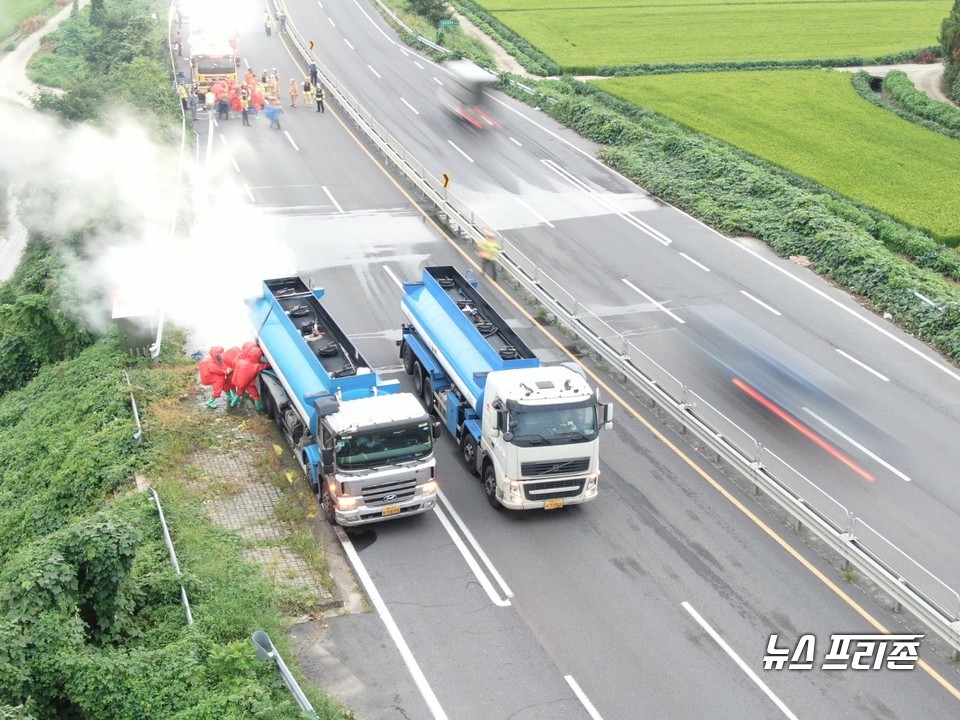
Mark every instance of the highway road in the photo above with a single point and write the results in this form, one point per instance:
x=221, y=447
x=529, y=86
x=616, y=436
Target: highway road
x=882, y=446
x=659, y=598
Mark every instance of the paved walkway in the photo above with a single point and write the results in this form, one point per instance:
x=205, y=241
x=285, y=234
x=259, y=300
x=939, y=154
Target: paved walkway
x=246, y=503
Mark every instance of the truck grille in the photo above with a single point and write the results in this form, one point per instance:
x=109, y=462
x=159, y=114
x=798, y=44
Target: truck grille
x=551, y=489
x=554, y=467
x=389, y=493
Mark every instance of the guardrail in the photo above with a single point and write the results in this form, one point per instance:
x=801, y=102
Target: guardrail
x=267, y=652
x=907, y=582
x=173, y=556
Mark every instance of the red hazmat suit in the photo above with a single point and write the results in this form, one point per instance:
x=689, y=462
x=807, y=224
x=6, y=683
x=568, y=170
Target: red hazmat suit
x=248, y=366
x=230, y=360
x=213, y=371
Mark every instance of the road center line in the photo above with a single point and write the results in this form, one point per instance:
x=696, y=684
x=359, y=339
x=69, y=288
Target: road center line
x=481, y=578
x=857, y=445
x=476, y=546
x=291, y=141
x=381, y=607
x=650, y=299
x=534, y=212
x=415, y=111
x=582, y=697
x=349, y=44
x=736, y=658
x=866, y=367
x=374, y=72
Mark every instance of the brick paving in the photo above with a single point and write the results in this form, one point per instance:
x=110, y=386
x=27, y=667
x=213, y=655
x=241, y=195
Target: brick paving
x=247, y=505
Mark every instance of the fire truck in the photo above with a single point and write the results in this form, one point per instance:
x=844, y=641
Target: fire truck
x=213, y=57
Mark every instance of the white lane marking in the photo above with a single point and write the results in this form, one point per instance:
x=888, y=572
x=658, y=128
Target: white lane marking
x=476, y=546
x=291, y=141
x=253, y=200
x=516, y=142
x=379, y=29
x=459, y=150
x=415, y=111
x=866, y=367
x=349, y=44
x=437, y=80
x=223, y=139
x=235, y=166
x=857, y=445
x=478, y=573
x=381, y=607
x=393, y=276
x=246, y=64
x=542, y=218
x=695, y=262
x=650, y=299
x=320, y=4
x=374, y=71
x=403, y=51
x=418, y=65
x=736, y=658
x=602, y=200
x=332, y=198
x=582, y=697
x=760, y=302
x=332, y=23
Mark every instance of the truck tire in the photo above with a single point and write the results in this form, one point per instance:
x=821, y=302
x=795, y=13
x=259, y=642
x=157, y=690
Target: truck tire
x=490, y=486
x=326, y=504
x=418, y=378
x=407, y=354
x=428, y=394
x=269, y=406
x=468, y=451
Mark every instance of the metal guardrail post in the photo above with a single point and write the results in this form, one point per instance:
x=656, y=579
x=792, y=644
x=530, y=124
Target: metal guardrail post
x=173, y=556
x=266, y=652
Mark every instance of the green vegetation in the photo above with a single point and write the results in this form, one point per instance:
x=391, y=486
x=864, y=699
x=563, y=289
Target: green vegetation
x=91, y=624
x=812, y=122
x=585, y=36
x=902, y=93
x=122, y=60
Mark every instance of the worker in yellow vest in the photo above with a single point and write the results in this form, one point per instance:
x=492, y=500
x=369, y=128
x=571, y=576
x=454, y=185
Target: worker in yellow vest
x=489, y=252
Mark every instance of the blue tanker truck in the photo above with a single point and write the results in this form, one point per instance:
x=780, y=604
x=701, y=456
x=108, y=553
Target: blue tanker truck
x=365, y=447
x=530, y=431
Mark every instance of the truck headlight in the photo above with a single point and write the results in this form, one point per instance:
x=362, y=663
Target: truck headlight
x=346, y=503
x=429, y=488
x=515, y=488
x=592, y=481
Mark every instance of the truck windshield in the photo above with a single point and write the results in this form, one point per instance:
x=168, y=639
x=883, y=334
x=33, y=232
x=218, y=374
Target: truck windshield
x=553, y=425
x=373, y=448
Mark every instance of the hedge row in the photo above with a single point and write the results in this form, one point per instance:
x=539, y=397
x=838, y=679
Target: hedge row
x=899, y=90
x=862, y=84
x=855, y=247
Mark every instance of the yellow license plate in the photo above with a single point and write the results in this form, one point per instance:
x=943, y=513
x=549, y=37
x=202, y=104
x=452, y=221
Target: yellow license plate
x=553, y=503
x=392, y=510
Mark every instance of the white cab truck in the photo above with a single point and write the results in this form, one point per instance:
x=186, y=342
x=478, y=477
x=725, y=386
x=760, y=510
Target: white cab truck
x=532, y=432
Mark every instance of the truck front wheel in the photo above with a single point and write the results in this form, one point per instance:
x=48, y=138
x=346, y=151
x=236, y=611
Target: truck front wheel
x=490, y=486
x=407, y=355
x=326, y=502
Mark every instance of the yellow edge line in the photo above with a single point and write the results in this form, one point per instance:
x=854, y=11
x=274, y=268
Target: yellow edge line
x=660, y=436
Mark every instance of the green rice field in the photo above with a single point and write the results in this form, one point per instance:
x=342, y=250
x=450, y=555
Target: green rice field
x=583, y=34
x=814, y=123
x=13, y=12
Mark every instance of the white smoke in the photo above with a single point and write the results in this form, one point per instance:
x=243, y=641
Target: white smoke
x=121, y=188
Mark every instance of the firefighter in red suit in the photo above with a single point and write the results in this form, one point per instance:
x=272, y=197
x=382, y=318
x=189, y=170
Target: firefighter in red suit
x=230, y=356
x=248, y=367
x=213, y=372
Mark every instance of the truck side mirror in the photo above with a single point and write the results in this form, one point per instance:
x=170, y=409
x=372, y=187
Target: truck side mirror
x=435, y=429
x=607, y=409
x=326, y=459
x=502, y=420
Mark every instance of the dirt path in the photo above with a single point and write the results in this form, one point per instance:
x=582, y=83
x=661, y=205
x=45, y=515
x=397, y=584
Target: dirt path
x=925, y=77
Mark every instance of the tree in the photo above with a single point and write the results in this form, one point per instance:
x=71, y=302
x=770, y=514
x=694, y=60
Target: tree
x=432, y=10
x=950, y=43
